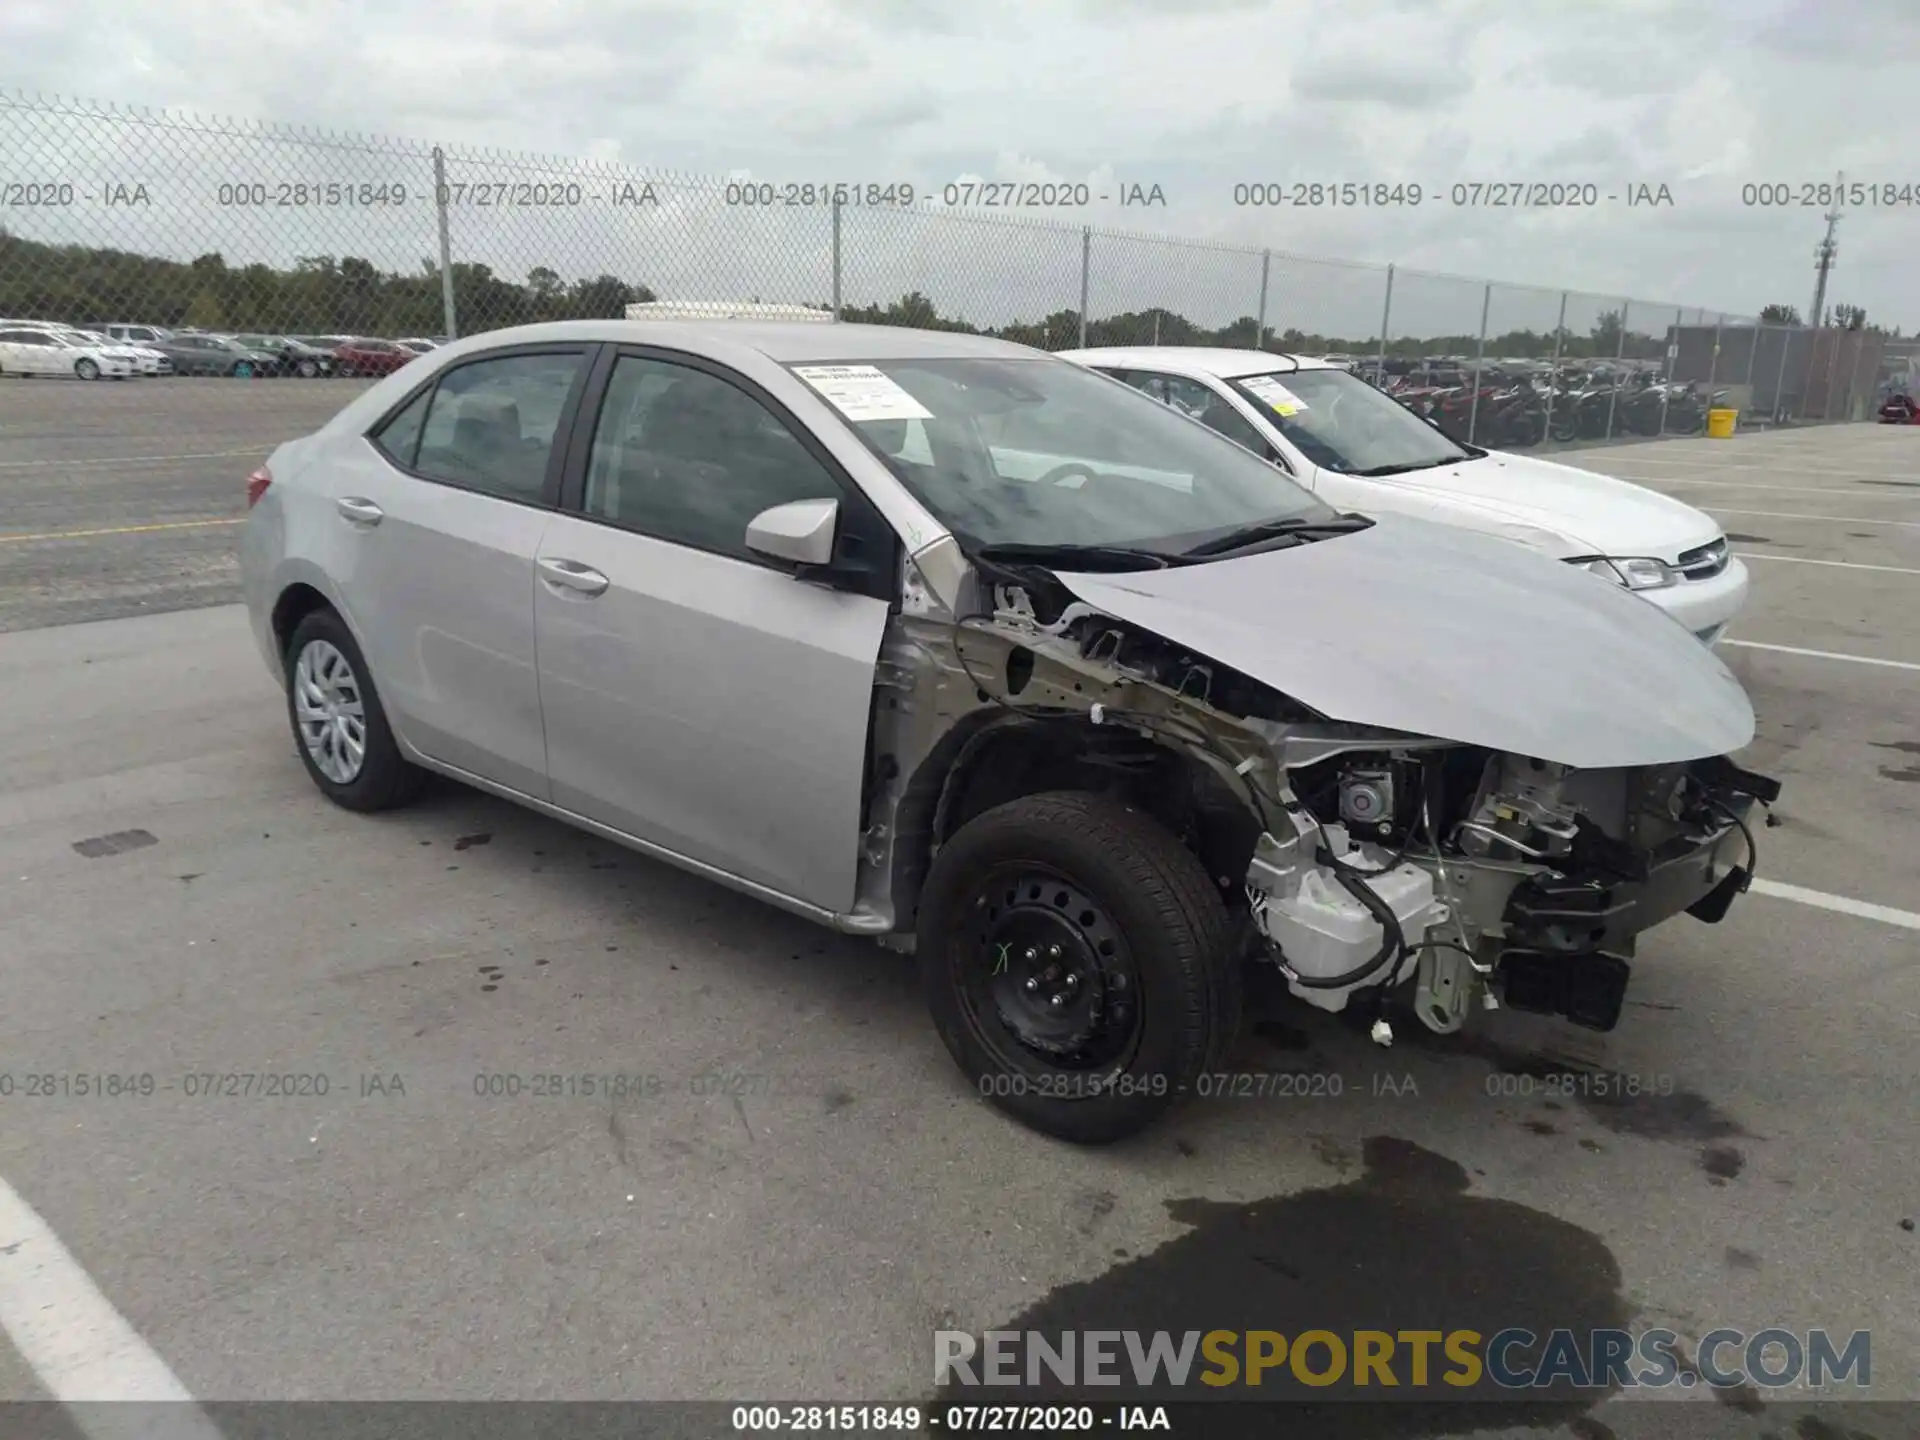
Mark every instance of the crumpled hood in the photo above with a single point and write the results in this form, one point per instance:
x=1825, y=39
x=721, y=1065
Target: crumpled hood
x=1602, y=515
x=1440, y=631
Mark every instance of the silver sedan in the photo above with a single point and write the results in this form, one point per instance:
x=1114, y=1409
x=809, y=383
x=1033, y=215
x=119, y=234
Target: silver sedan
x=946, y=641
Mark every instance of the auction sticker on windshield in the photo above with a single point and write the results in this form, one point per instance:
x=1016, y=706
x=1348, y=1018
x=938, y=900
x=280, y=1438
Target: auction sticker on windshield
x=1274, y=394
x=861, y=392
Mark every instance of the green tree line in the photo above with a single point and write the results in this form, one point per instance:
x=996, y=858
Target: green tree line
x=319, y=295
x=325, y=294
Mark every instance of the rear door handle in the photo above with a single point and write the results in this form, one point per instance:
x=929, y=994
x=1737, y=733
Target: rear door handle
x=359, y=510
x=572, y=575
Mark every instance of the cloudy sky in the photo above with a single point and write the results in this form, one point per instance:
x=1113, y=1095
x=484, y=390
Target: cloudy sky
x=1704, y=97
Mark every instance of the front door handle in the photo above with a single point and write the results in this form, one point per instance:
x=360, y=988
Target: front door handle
x=572, y=575
x=359, y=510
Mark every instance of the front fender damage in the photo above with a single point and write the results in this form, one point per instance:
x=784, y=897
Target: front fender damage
x=1360, y=860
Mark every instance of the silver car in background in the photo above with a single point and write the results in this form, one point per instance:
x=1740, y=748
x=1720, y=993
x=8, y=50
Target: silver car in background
x=948, y=642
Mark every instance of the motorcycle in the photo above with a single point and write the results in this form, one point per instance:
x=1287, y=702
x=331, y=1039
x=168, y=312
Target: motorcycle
x=1585, y=413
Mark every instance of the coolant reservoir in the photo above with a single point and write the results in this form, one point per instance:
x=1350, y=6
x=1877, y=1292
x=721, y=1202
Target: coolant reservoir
x=1323, y=931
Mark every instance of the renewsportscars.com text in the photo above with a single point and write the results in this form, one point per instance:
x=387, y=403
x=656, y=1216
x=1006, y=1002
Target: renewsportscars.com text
x=1376, y=1360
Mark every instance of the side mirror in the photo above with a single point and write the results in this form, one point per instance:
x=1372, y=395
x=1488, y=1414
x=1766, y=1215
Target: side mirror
x=799, y=532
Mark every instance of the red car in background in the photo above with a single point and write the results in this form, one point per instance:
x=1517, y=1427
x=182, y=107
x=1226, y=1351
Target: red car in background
x=370, y=357
x=1900, y=410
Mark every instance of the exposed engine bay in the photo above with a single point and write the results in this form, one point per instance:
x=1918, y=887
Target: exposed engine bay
x=1360, y=861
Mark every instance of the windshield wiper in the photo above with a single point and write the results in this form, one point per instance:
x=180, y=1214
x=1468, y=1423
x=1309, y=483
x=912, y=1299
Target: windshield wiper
x=1289, y=526
x=1102, y=556
x=1379, y=470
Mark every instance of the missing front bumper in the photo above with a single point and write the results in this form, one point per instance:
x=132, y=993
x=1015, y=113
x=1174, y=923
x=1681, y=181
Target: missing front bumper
x=1558, y=915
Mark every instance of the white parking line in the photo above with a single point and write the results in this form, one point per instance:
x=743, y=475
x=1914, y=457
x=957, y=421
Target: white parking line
x=1823, y=654
x=1830, y=519
x=129, y=459
x=1885, y=914
x=1777, y=462
x=1836, y=564
x=1777, y=489
x=79, y=1346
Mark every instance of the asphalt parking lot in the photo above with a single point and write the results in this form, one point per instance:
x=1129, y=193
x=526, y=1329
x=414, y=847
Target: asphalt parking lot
x=798, y=1226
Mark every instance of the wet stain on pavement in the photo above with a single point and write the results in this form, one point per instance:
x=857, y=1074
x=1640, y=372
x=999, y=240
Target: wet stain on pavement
x=1908, y=775
x=468, y=842
x=118, y=843
x=1738, y=1259
x=1403, y=1246
x=1723, y=1162
x=1675, y=1115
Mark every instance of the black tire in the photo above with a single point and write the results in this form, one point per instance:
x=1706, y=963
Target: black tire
x=1159, y=933
x=386, y=779
x=1565, y=430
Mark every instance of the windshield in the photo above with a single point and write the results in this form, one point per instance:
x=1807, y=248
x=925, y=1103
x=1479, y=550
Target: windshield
x=1341, y=423
x=1040, y=452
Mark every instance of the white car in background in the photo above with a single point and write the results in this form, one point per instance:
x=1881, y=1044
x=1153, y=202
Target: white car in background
x=50, y=352
x=1360, y=450
x=146, y=360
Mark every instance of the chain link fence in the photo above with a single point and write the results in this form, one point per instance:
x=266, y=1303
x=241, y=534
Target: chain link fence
x=298, y=242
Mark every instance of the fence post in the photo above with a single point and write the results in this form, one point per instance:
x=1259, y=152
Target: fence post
x=1713, y=361
x=1260, y=322
x=1833, y=373
x=448, y=318
x=1479, y=355
x=1553, y=380
x=1386, y=314
x=1780, y=377
x=1853, y=375
x=836, y=257
x=1086, y=269
x=1804, y=410
x=1671, y=366
x=1619, y=354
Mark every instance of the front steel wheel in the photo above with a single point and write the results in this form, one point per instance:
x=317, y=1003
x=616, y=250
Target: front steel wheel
x=1079, y=964
x=1050, y=982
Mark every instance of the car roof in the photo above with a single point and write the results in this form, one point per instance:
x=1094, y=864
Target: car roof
x=781, y=341
x=1197, y=359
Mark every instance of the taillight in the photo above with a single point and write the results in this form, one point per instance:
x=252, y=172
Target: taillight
x=257, y=484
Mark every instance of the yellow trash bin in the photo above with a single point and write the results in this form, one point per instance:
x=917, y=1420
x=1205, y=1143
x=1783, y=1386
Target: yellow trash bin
x=1720, y=423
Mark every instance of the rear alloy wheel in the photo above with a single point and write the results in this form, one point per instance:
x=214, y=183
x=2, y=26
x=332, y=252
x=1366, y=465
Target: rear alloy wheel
x=338, y=722
x=86, y=369
x=1078, y=963
x=307, y=369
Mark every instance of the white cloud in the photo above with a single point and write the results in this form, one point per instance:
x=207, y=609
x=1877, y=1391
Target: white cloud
x=1193, y=95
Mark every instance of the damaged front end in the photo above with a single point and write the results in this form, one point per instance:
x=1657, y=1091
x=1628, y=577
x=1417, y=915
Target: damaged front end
x=1357, y=860
x=1475, y=874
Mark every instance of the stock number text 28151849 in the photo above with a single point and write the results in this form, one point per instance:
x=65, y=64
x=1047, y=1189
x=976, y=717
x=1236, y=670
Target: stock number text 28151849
x=789, y=194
